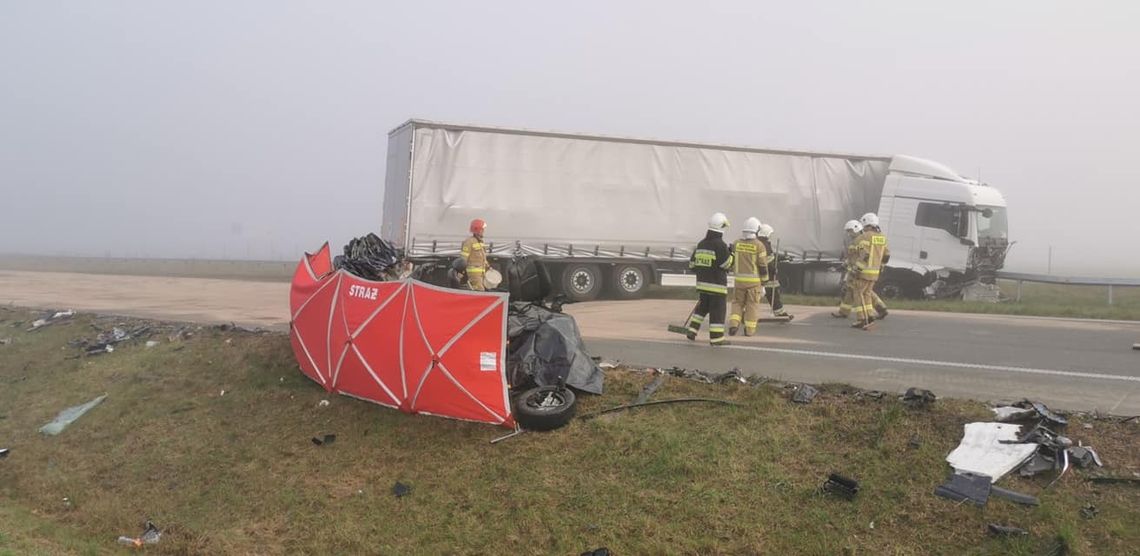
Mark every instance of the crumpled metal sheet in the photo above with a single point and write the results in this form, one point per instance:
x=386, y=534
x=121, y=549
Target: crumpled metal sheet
x=990, y=449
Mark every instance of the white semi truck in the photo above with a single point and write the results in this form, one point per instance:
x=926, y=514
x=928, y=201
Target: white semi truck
x=612, y=214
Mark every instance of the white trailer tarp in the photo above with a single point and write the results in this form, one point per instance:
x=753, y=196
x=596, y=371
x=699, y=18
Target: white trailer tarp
x=556, y=190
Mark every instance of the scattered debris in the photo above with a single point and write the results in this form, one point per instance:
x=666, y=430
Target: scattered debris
x=915, y=441
x=105, y=341
x=222, y=393
x=965, y=486
x=151, y=344
x=324, y=440
x=51, y=319
x=658, y=402
x=1009, y=413
x=841, y=486
x=323, y=403
x=1056, y=419
x=1136, y=346
x=5, y=341
x=918, y=397
x=1115, y=479
x=991, y=449
x=69, y=415
x=1083, y=456
x=1090, y=511
x=609, y=364
x=1087, y=426
x=650, y=388
x=1037, y=464
x=4, y=452
x=1006, y=530
x=401, y=490
x=150, y=535
x=805, y=393
x=1016, y=497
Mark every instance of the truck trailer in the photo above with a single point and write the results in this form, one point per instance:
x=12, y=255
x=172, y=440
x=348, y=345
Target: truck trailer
x=616, y=215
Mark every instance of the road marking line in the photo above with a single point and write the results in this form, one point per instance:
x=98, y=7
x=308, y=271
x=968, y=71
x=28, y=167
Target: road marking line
x=931, y=362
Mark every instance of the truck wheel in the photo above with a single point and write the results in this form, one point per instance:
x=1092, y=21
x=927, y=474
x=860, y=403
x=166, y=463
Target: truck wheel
x=581, y=282
x=896, y=289
x=545, y=408
x=629, y=281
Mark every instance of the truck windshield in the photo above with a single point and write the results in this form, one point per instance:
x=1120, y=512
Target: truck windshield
x=995, y=226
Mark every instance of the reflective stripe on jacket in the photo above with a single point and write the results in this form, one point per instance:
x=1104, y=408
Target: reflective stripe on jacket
x=750, y=265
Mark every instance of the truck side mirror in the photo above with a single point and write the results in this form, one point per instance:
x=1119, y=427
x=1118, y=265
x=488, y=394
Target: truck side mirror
x=965, y=241
x=988, y=213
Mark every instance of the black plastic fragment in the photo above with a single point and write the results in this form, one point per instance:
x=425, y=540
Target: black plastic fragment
x=918, y=397
x=1016, y=497
x=841, y=486
x=805, y=393
x=1006, y=530
x=323, y=440
x=965, y=486
x=401, y=490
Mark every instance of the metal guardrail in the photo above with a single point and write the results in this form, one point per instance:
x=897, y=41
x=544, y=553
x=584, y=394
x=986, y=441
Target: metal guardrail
x=1020, y=277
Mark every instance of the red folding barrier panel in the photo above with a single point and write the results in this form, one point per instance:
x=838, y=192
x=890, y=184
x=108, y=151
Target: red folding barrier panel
x=403, y=344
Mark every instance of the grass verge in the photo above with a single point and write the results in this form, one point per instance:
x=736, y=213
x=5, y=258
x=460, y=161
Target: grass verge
x=237, y=473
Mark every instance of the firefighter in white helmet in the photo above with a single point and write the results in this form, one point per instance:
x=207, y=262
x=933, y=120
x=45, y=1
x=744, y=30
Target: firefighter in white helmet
x=871, y=254
x=711, y=260
x=749, y=271
x=854, y=229
x=872, y=226
x=772, y=285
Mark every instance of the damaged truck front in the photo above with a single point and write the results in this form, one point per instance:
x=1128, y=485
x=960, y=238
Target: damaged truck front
x=617, y=215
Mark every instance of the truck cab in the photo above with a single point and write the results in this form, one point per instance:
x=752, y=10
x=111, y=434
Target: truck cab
x=942, y=228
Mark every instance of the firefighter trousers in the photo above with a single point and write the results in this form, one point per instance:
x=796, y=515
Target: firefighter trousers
x=746, y=307
x=848, y=302
x=475, y=280
x=772, y=294
x=711, y=307
x=864, y=302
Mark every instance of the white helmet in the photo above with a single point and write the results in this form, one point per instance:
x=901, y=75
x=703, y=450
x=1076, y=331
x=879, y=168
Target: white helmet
x=718, y=222
x=751, y=226
x=853, y=227
x=869, y=219
x=765, y=231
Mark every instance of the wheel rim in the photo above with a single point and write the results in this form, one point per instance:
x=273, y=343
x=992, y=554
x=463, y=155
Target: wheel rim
x=631, y=280
x=582, y=281
x=546, y=400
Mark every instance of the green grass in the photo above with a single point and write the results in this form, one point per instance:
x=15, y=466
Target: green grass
x=237, y=474
x=1044, y=300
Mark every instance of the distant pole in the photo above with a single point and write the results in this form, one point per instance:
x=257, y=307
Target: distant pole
x=1050, y=270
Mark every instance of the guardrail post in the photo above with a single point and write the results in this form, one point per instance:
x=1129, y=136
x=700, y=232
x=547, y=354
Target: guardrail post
x=1110, y=295
x=1019, y=291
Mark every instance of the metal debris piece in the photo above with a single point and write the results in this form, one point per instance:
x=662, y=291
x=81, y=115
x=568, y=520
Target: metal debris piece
x=5, y=341
x=805, y=393
x=324, y=440
x=918, y=397
x=841, y=486
x=915, y=442
x=650, y=388
x=1017, y=497
x=1083, y=456
x=1038, y=464
x=401, y=490
x=69, y=416
x=1090, y=511
x=1009, y=413
x=609, y=364
x=1056, y=419
x=603, y=551
x=965, y=486
x=1114, y=479
x=990, y=449
x=1006, y=530
x=4, y=452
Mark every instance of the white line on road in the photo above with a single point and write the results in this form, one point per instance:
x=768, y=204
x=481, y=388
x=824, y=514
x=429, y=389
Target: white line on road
x=929, y=362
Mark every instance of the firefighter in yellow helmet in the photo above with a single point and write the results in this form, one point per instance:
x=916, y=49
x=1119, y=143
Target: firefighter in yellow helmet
x=750, y=271
x=871, y=254
x=474, y=253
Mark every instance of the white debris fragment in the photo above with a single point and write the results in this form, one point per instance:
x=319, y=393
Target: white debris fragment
x=986, y=450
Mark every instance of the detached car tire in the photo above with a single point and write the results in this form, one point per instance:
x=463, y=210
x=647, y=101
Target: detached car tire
x=545, y=408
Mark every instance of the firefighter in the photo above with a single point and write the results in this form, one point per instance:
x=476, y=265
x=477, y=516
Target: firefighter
x=750, y=271
x=871, y=253
x=876, y=301
x=711, y=260
x=772, y=285
x=854, y=229
x=474, y=253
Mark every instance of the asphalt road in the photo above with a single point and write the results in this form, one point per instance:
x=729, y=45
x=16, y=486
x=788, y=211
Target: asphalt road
x=1066, y=363
x=1069, y=364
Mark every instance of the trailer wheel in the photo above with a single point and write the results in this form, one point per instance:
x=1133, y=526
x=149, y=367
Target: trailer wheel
x=629, y=281
x=581, y=282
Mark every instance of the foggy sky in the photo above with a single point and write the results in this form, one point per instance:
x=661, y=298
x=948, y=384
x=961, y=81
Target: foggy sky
x=258, y=129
